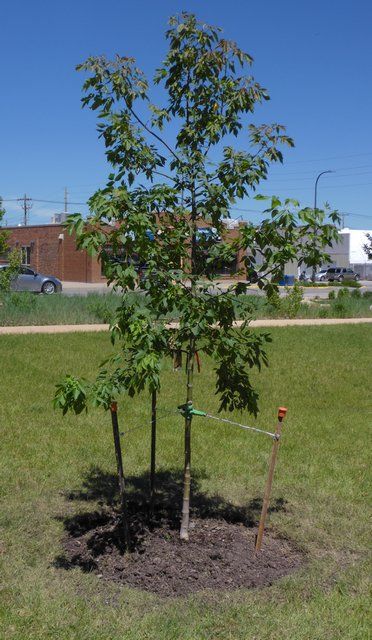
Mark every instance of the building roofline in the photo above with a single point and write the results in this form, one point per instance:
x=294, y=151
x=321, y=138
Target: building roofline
x=32, y=226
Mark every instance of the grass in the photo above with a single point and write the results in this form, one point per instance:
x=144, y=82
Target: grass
x=322, y=374
x=29, y=309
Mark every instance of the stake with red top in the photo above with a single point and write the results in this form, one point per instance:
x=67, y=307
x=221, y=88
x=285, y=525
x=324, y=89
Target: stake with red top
x=265, y=505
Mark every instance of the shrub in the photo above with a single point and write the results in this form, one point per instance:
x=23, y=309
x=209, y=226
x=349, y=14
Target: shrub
x=343, y=293
x=290, y=304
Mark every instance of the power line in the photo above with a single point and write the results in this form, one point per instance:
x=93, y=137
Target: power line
x=354, y=155
x=337, y=176
x=57, y=201
x=345, y=213
x=327, y=186
x=41, y=200
x=312, y=171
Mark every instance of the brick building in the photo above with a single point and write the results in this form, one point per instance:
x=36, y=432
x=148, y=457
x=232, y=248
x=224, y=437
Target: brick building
x=50, y=250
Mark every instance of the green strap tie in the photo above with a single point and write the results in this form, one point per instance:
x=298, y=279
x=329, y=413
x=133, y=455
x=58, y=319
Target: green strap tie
x=187, y=410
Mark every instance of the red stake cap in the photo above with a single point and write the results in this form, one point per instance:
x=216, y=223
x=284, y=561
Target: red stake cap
x=114, y=406
x=282, y=411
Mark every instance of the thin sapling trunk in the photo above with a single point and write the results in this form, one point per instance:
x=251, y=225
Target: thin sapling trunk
x=184, y=531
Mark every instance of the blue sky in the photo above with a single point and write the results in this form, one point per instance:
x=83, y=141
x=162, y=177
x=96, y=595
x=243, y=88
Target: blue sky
x=313, y=57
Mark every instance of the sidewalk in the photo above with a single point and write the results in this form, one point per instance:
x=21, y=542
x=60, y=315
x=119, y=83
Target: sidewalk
x=91, y=328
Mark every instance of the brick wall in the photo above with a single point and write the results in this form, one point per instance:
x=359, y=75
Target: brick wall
x=53, y=255
x=53, y=252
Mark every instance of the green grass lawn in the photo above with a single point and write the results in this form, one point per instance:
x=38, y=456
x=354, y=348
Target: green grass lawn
x=322, y=374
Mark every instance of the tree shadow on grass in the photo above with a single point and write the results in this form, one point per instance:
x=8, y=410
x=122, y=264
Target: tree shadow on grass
x=103, y=526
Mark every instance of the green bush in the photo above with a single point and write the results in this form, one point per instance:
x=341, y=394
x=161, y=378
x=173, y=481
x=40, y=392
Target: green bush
x=289, y=305
x=348, y=283
x=343, y=293
x=332, y=295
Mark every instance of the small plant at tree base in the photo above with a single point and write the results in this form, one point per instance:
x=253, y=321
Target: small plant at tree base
x=158, y=196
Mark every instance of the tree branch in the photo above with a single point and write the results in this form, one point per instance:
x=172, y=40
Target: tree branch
x=151, y=132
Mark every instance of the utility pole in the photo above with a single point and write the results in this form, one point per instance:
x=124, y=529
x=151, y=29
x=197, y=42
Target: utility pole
x=66, y=202
x=26, y=205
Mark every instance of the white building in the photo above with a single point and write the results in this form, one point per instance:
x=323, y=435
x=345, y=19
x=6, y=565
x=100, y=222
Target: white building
x=347, y=252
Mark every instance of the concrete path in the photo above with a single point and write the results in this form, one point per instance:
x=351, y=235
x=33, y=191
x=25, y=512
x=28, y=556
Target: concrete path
x=91, y=328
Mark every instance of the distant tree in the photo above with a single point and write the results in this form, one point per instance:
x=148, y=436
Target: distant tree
x=164, y=185
x=367, y=247
x=4, y=235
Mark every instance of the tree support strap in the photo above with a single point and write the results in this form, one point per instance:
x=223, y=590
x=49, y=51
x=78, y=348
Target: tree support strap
x=187, y=410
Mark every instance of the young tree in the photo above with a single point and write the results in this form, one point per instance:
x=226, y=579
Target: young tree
x=4, y=235
x=174, y=168
x=367, y=247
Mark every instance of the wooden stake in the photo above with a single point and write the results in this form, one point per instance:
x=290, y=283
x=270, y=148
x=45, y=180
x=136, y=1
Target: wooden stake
x=119, y=465
x=153, y=451
x=274, y=452
x=177, y=360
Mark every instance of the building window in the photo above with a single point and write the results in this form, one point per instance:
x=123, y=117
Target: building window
x=26, y=255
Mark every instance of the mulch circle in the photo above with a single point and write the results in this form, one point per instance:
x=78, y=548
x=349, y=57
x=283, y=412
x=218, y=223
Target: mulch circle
x=219, y=555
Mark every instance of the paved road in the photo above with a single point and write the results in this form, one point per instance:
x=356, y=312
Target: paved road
x=84, y=288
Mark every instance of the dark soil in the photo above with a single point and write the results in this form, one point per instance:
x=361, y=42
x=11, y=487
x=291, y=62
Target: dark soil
x=219, y=555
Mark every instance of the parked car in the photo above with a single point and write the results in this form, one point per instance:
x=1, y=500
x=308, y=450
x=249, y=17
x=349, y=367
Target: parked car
x=340, y=274
x=321, y=276
x=29, y=280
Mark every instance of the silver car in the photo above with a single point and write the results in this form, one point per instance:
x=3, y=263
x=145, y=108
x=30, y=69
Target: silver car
x=29, y=280
x=321, y=276
x=340, y=274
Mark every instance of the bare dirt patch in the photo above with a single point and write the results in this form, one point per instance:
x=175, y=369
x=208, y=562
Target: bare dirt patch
x=220, y=555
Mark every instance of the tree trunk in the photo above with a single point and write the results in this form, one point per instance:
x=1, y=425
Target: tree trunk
x=184, y=532
x=119, y=465
x=153, y=452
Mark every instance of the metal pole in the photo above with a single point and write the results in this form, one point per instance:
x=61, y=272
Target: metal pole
x=315, y=208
